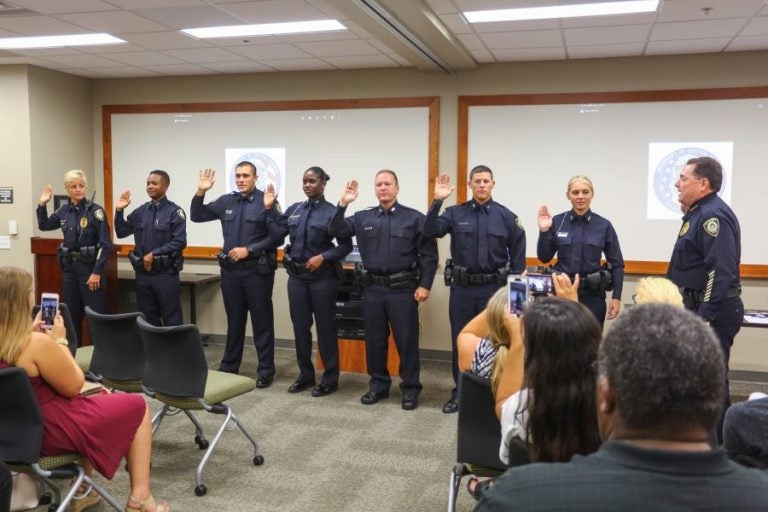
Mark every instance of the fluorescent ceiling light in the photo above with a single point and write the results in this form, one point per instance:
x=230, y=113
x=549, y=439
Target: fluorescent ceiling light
x=265, y=29
x=562, y=11
x=18, y=43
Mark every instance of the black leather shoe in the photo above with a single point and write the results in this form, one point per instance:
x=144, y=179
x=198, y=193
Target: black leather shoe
x=264, y=381
x=300, y=386
x=410, y=403
x=372, y=397
x=451, y=406
x=323, y=389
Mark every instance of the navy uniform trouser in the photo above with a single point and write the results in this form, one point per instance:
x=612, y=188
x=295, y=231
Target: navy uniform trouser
x=76, y=294
x=246, y=291
x=384, y=308
x=726, y=324
x=465, y=303
x=158, y=297
x=595, y=302
x=308, y=297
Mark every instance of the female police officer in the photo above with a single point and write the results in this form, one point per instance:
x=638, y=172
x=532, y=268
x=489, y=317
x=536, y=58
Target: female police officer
x=85, y=250
x=580, y=237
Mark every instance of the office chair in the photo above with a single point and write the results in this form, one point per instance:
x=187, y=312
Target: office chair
x=176, y=373
x=118, y=354
x=81, y=354
x=478, y=436
x=21, y=438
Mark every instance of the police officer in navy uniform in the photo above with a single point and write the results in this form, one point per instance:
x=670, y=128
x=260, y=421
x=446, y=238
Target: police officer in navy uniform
x=706, y=258
x=248, y=261
x=398, y=270
x=313, y=263
x=487, y=243
x=579, y=239
x=85, y=249
x=159, y=227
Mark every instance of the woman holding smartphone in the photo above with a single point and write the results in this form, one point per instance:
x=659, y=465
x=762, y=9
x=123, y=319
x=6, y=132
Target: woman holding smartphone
x=579, y=238
x=85, y=249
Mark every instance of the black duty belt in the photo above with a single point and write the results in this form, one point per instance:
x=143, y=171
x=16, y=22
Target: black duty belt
x=398, y=280
x=463, y=277
x=697, y=296
x=77, y=254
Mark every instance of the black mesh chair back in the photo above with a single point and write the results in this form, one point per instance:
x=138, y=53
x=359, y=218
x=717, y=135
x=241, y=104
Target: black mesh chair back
x=118, y=353
x=69, y=325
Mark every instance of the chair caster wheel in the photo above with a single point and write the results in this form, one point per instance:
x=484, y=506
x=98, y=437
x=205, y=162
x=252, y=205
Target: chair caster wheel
x=200, y=490
x=201, y=443
x=258, y=460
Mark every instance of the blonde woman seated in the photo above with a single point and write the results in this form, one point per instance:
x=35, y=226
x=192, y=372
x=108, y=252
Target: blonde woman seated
x=658, y=290
x=103, y=428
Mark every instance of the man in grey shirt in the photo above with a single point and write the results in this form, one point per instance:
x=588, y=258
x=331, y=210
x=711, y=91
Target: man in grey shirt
x=660, y=385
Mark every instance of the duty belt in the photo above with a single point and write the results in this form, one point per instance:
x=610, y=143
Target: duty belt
x=697, y=296
x=398, y=280
x=159, y=263
x=77, y=254
x=462, y=276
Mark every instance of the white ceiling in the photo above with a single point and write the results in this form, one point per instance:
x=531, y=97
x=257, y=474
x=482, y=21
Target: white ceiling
x=440, y=38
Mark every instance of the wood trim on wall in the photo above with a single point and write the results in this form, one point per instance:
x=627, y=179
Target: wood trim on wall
x=203, y=252
x=631, y=267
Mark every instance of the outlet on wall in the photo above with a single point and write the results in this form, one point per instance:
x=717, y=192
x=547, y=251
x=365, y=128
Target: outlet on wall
x=5, y=242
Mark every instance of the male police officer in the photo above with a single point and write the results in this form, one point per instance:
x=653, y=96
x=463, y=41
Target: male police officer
x=705, y=261
x=248, y=261
x=159, y=227
x=487, y=243
x=398, y=272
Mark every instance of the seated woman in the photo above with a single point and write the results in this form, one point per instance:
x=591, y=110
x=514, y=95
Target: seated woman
x=657, y=290
x=103, y=428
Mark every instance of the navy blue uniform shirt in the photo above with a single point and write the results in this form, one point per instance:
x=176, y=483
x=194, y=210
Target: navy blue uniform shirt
x=402, y=250
x=243, y=220
x=84, y=225
x=312, y=228
x=159, y=228
x=707, y=253
x=505, y=234
x=580, y=241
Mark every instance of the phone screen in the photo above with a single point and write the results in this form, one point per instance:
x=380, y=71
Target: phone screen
x=49, y=305
x=517, y=287
x=540, y=284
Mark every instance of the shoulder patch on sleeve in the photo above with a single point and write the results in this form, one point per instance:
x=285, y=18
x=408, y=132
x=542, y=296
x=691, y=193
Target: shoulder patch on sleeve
x=519, y=224
x=181, y=214
x=99, y=214
x=712, y=226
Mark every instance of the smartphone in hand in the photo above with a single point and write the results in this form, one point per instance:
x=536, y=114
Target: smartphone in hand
x=517, y=294
x=540, y=284
x=49, y=307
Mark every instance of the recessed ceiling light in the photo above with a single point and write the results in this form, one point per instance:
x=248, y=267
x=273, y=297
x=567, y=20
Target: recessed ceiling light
x=18, y=43
x=265, y=29
x=562, y=11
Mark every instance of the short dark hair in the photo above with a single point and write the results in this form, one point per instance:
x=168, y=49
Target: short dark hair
x=247, y=163
x=709, y=168
x=665, y=367
x=319, y=172
x=389, y=172
x=163, y=175
x=480, y=168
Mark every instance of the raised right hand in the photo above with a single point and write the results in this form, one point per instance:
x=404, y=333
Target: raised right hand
x=350, y=193
x=206, y=180
x=46, y=195
x=443, y=187
x=269, y=196
x=545, y=218
x=124, y=201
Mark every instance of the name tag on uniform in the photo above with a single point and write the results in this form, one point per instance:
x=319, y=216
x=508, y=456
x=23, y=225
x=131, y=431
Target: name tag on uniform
x=295, y=216
x=228, y=212
x=462, y=223
x=367, y=228
x=562, y=234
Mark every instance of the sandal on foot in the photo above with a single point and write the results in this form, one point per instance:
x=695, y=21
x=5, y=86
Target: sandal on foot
x=477, y=488
x=147, y=505
x=84, y=497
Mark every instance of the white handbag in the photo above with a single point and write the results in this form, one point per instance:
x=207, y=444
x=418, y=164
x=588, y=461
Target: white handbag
x=26, y=492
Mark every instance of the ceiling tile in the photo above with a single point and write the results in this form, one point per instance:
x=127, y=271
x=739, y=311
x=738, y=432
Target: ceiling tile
x=442, y=6
x=362, y=62
x=606, y=35
x=148, y=4
x=273, y=11
x=298, y=64
x=113, y=22
x=697, y=29
x=602, y=51
x=483, y=5
x=683, y=10
x=270, y=51
x=529, y=54
x=49, y=52
x=383, y=48
x=203, y=55
x=181, y=69
x=338, y=35
x=114, y=48
x=39, y=26
x=190, y=17
x=338, y=48
x=756, y=27
x=225, y=42
x=748, y=43
x=527, y=39
x=605, y=21
x=456, y=23
x=115, y=72
x=82, y=61
x=164, y=40
x=686, y=46
x=471, y=42
x=59, y=7
x=483, y=56
x=245, y=66
x=144, y=58
x=512, y=26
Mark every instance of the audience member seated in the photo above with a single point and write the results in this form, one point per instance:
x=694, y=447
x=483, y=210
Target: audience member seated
x=659, y=290
x=745, y=431
x=660, y=385
x=103, y=428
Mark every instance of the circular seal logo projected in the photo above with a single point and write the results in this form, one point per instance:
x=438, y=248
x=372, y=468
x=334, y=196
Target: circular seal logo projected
x=267, y=171
x=668, y=171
